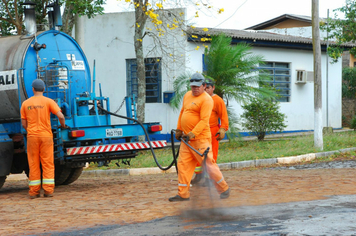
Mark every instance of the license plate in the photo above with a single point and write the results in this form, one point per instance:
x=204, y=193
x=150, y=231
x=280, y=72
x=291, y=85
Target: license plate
x=113, y=132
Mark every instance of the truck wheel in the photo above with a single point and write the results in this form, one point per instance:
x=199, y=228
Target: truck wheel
x=2, y=180
x=74, y=175
x=61, y=174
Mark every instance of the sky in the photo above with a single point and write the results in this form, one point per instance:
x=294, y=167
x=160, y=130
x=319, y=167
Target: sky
x=240, y=14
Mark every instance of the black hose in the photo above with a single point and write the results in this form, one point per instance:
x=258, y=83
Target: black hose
x=175, y=155
x=148, y=139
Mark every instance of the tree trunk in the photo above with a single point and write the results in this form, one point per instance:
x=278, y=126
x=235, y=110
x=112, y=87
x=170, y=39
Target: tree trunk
x=19, y=28
x=261, y=136
x=68, y=20
x=318, y=115
x=140, y=21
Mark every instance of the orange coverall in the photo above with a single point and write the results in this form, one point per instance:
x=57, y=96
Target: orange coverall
x=194, y=117
x=219, y=112
x=37, y=110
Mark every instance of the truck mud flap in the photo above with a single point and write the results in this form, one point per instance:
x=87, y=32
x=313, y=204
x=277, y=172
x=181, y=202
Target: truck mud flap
x=6, y=156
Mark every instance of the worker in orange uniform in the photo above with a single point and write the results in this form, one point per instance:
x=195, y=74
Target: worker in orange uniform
x=193, y=126
x=35, y=118
x=217, y=129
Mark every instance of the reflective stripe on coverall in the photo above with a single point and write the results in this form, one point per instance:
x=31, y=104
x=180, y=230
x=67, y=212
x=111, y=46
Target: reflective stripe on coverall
x=186, y=164
x=40, y=153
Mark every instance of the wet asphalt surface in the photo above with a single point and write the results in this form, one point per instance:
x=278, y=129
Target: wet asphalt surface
x=333, y=216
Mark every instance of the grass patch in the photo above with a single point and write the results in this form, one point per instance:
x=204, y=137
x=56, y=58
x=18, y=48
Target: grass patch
x=240, y=150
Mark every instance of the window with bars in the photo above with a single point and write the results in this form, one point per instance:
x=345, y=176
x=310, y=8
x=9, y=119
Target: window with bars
x=153, y=79
x=279, y=76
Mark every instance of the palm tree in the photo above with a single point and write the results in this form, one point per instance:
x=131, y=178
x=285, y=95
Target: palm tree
x=233, y=68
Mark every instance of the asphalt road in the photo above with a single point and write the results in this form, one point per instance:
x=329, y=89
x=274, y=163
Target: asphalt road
x=335, y=215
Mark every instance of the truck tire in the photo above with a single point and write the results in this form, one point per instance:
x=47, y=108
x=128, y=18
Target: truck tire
x=74, y=175
x=61, y=174
x=2, y=180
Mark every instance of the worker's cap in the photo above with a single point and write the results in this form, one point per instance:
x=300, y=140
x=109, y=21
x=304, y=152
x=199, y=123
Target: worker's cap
x=209, y=82
x=197, y=79
x=38, y=85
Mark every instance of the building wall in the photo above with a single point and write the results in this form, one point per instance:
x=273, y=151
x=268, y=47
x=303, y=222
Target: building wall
x=290, y=23
x=108, y=39
x=306, y=32
x=300, y=109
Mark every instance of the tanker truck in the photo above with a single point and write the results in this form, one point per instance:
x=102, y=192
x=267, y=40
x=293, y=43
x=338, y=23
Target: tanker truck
x=58, y=60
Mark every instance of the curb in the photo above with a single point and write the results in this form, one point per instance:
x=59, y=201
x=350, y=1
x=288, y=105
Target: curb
x=222, y=166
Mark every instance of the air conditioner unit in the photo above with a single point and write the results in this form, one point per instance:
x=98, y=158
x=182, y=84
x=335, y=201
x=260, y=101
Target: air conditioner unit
x=301, y=77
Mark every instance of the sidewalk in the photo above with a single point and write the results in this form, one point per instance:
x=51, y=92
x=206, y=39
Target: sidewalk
x=223, y=166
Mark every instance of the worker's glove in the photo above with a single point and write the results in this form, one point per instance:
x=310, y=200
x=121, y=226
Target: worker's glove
x=179, y=134
x=220, y=134
x=65, y=127
x=188, y=136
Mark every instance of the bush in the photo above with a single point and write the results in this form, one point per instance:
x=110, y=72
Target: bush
x=349, y=82
x=353, y=123
x=262, y=117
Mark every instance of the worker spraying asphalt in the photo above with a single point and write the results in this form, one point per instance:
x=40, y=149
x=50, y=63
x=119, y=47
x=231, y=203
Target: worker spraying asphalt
x=193, y=127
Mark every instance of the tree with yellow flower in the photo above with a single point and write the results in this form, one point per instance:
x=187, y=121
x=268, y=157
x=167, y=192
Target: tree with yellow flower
x=155, y=19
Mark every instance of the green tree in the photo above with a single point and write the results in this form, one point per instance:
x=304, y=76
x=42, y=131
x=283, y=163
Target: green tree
x=75, y=8
x=341, y=31
x=11, y=17
x=261, y=117
x=233, y=68
x=348, y=92
x=11, y=14
x=349, y=83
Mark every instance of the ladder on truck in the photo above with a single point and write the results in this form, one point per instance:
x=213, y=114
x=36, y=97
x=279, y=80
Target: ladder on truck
x=131, y=110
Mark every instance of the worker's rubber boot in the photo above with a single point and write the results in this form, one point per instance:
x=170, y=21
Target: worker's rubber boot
x=225, y=194
x=48, y=195
x=178, y=198
x=34, y=196
x=197, y=178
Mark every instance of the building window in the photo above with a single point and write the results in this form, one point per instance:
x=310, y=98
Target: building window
x=153, y=79
x=279, y=77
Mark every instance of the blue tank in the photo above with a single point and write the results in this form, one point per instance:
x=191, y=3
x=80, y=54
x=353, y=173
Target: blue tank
x=52, y=56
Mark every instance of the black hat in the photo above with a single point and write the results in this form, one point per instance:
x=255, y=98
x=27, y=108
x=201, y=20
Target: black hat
x=209, y=82
x=38, y=85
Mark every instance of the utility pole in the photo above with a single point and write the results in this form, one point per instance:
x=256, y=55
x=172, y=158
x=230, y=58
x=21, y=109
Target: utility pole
x=318, y=114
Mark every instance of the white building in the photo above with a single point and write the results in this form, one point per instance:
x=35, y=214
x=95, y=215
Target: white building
x=108, y=39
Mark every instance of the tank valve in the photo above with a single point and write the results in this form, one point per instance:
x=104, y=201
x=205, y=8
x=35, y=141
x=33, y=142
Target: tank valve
x=38, y=46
